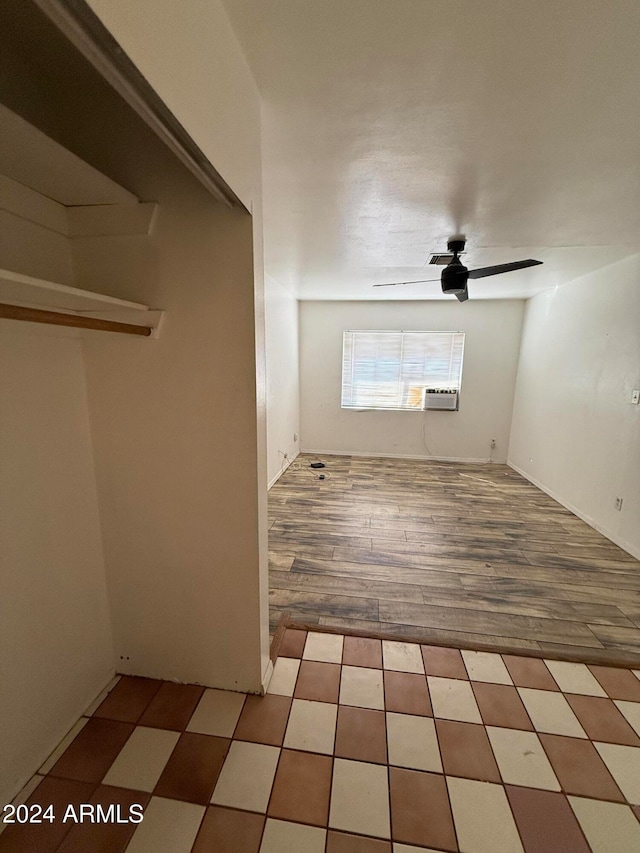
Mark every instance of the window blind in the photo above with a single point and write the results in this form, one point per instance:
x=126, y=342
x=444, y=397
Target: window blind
x=391, y=370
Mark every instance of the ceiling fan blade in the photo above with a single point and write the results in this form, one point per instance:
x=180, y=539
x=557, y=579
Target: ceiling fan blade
x=462, y=297
x=398, y=283
x=499, y=268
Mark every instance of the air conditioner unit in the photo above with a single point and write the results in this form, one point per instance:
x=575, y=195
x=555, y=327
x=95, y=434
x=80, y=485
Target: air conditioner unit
x=445, y=399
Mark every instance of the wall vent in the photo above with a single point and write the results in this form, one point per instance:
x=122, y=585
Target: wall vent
x=443, y=259
x=443, y=399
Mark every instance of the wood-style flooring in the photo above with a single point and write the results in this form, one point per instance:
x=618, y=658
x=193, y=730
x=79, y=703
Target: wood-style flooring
x=447, y=553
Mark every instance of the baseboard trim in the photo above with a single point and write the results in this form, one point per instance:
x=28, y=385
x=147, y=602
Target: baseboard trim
x=469, y=459
x=275, y=479
x=617, y=540
x=266, y=678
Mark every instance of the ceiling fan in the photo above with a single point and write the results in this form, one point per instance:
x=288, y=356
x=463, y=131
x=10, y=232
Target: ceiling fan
x=455, y=275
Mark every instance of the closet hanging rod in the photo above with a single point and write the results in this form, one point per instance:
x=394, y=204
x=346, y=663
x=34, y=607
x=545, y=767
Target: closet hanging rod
x=37, y=315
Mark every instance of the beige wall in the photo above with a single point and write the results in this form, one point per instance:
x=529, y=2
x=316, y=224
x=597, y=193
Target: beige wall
x=283, y=395
x=174, y=429
x=30, y=249
x=492, y=330
x=189, y=53
x=575, y=432
x=174, y=426
x=56, y=650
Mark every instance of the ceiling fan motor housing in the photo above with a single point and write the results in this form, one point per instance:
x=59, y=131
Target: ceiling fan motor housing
x=454, y=277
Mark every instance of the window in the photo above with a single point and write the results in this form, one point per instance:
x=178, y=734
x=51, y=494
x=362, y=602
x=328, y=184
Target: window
x=396, y=370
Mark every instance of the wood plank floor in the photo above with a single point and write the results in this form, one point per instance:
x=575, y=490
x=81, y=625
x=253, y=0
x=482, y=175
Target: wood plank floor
x=472, y=555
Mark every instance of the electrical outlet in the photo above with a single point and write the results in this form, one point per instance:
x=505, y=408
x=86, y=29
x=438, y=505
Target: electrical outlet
x=295, y=436
x=635, y=396
x=493, y=443
x=618, y=504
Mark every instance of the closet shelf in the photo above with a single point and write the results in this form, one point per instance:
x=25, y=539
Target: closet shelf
x=30, y=292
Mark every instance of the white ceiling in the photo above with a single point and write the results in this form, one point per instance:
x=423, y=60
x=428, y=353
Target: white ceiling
x=390, y=125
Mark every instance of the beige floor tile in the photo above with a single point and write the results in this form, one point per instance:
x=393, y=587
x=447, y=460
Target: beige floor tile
x=486, y=666
x=453, y=700
x=412, y=742
x=482, y=816
x=362, y=687
x=217, y=713
x=624, y=765
x=247, y=776
x=64, y=743
x=311, y=726
x=521, y=759
x=402, y=657
x=283, y=837
x=636, y=672
x=142, y=759
x=609, y=827
x=550, y=712
x=407, y=848
x=169, y=826
x=631, y=712
x=360, y=798
x=575, y=678
x=323, y=647
x=285, y=673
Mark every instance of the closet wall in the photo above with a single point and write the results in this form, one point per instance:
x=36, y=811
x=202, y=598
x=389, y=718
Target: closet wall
x=174, y=432
x=56, y=650
x=135, y=484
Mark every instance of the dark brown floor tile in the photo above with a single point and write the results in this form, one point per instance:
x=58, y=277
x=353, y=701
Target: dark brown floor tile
x=342, y=842
x=361, y=651
x=406, y=693
x=361, y=734
x=172, y=706
x=129, y=699
x=319, y=682
x=466, y=751
x=579, y=768
x=546, y=821
x=93, y=750
x=446, y=663
x=264, y=719
x=111, y=836
x=601, y=720
x=46, y=837
x=229, y=831
x=500, y=705
x=618, y=683
x=529, y=672
x=301, y=788
x=193, y=768
x=420, y=810
x=293, y=643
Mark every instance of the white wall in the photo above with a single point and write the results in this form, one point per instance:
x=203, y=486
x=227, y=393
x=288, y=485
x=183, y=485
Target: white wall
x=575, y=432
x=490, y=362
x=283, y=393
x=56, y=650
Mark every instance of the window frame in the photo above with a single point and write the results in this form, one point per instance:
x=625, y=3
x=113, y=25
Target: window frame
x=456, y=359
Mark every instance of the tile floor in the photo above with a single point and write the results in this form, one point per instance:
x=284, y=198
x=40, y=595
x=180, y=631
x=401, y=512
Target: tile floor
x=360, y=746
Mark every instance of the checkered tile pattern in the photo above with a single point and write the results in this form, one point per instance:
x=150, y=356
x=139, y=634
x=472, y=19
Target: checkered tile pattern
x=360, y=746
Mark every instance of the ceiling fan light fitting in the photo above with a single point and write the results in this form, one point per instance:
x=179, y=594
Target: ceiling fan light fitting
x=454, y=277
